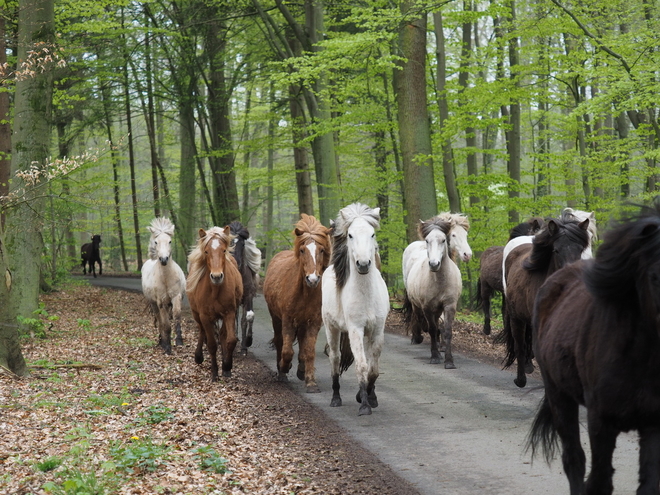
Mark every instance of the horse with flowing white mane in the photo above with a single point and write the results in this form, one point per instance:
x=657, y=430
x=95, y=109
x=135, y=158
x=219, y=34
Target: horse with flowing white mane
x=433, y=286
x=355, y=302
x=163, y=282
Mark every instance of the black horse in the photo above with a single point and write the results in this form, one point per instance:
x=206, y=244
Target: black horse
x=248, y=258
x=596, y=332
x=90, y=253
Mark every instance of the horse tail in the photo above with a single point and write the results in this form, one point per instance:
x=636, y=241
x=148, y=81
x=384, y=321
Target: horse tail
x=413, y=326
x=543, y=433
x=478, y=301
x=345, y=352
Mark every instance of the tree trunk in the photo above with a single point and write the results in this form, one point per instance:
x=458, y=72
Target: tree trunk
x=269, y=188
x=513, y=136
x=414, y=129
x=5, y=128
x=443, y=107
x=300, y=156
x=30, y=145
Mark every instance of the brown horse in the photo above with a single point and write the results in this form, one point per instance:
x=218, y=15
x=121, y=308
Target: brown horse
x=214, y=290
x=490, y=269
x=597, y=341
x=527, y=266
x=293, y=294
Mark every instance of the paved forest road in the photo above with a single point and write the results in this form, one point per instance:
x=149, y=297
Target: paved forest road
x=453, y=432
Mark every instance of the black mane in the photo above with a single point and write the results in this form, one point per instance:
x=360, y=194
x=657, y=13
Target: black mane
x=543, y=243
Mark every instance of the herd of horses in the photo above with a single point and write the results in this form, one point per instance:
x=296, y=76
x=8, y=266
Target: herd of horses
x=591, y=322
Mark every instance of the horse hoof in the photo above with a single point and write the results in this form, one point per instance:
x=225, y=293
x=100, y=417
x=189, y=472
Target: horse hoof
x=199, y=359
x=417, y=339
x=373, y=401
x=179, y=342
x=335, y=402
x=435, y=360
x=248, y=341
x=226, y=374
x=313, y=389
x=486, y=330
x=520, y=382
x=529, y=368
x=365, y=410
x=244, y=352
x=450, y=365
x=300, y=374
x=281, y=377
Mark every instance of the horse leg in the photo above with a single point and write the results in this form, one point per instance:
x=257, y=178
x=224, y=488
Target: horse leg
x=201, y=339
x=486, y=296
x=356, y=336
x=228, y=341
x=164, y=329
x=278, y=341
x=649, y=461
x=372, y=350
x=518, y=334
x=176, y=315
x=306, y=356
x=432, y=322
x=602, y=437
x=212, y=347
x=332, y=336
x=246, y=323
x=100, y=266
x=449, y=314
x=288, y=335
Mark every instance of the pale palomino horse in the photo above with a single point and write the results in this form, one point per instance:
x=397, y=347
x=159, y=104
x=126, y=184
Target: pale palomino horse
x=163, y=282
x=433, y=286
x=579, y=215
x=355, y=302
x=459, y=226
x=248, y=258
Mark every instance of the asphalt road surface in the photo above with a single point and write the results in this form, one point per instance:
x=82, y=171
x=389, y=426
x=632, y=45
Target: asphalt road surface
x=446, y=431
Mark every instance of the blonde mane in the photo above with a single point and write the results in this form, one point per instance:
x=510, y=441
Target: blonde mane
x=197, y=257
x=455, y=219
x=158, y=226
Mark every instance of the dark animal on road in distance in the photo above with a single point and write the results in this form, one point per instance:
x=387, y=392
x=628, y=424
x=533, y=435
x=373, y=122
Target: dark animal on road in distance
x=597, y=342
x=214, y=288
x=561, y=242
x=90, y=254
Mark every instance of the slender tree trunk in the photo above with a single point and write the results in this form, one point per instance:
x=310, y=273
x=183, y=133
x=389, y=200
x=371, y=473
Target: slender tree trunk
x=300, y=156
x=513, y=141
x=414, y=129
x=5, y=128
x=150, y=119
x=269, y=187
x=23, y=241
x=443, y=107
x=187, y=186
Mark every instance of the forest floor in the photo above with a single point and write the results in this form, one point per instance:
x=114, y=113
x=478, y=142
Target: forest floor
x=105, y=411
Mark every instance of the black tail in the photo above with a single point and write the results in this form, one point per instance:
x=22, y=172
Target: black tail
x=506, y=337
x=478, y=301
x=543, y=433
x=412, y=325
x=346, y=353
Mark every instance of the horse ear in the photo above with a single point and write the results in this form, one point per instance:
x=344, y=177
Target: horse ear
x=297, y=231
x=227, y=230
x=584, y=225
x=552, y=227
x=202, y=233
x=535, y=224
x=377, y=212
x=649, y=229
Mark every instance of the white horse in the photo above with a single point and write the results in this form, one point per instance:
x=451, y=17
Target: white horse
x=459, y=249
x=433, y=286
x=163, y=282
x=355, y=301
x=581, y=216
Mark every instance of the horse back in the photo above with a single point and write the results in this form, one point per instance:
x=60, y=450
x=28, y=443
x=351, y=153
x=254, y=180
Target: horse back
x=490, y=268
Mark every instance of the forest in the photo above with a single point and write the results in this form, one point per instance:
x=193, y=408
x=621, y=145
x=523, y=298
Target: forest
x=208, y=111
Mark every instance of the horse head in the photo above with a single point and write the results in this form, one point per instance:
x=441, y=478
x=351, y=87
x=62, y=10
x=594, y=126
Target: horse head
x=458, y=232
x=96, y=239
x=217, y=242
x=312, y=248
x=361, y=244
x=560, y=243
x=160, y=244
x=434, y=232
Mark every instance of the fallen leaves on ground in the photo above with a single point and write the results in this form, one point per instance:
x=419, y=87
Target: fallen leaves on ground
x=102, y=395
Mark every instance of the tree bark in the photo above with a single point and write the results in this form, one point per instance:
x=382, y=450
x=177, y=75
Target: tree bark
x=414, y=129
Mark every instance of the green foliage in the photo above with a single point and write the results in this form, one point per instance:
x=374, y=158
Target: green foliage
x=49, y=464
x=37, y=326
x=139, y=455
x=156, y=414
x=84, y=324
x=210, y=460
x=76, y=482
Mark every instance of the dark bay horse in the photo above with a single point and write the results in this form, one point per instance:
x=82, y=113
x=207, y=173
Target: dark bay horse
x=90, y=253
x=490, y=269
x=292, y=290
x=597, y=342
x=214, y=288
x=248, y=258
x=561, y=242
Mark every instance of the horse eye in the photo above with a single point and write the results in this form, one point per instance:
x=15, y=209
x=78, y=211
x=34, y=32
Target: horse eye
x=350, y=236
x=373, y=235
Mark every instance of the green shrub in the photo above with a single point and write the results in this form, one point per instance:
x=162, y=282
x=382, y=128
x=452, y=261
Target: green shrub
x=139, y=456
x=210, y=460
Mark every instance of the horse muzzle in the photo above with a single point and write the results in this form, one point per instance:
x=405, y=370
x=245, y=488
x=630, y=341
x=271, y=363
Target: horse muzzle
x=217, y=279
x=164, y=260
x=434, y=265
x=312, y=280
x=466, y=257
x=363, y=268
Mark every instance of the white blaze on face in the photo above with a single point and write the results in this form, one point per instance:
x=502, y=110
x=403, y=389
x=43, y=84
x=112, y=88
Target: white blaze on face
x=311, y=247
x=215, y=244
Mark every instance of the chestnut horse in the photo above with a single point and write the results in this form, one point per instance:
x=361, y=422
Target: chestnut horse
x=292, y=290
x=214, y=290
x=490, y=269
x=561, y=242
x=597, y=341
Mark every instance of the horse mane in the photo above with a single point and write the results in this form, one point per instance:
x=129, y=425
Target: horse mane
x=618, y=271
x=544, y=240
x=239, y=230
x=530, y=227
x=582, y=216
x=308, y=227
x=455, y=219
x=424, y=228
x=345, y=218
x=196, y=259
x=252, y=255
x=158, y=226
